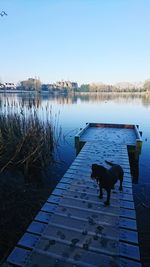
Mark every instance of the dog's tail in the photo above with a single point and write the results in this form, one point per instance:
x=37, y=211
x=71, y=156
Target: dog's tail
x=110, y=163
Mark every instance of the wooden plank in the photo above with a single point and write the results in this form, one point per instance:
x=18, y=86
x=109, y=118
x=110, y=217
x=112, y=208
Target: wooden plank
x=62, y=186
x=74, y=191
x=74, y=255
x=43, y=217
x=96, y=158
x=85, y=178
x=87, y=167
x=89, y=205
x=80, y=172
x=66, y=180
x=127, y=213
x=85, y=226
x=28, y=240
x=18, y=257
x=36, y=228
x=111, y=125
x=78, y=258
x=92, y=199
x=129, y=251
x=54, y=199
x=88, y=163
x=95, y=196
x=129, y=263
x=128, y=236
x=127, y=223
x=48, y=207
x=72, y=236
x=126, y=197
x=81, y=223
x=89, y=182
x=127, y=204
x=62, y=234
x=70, y=251
x=58, y=192
x=92, y=216
x=89, y=190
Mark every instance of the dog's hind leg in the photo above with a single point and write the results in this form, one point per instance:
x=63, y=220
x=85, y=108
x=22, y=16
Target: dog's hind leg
x=121, y=181
x=101, y=192
x=107, y=202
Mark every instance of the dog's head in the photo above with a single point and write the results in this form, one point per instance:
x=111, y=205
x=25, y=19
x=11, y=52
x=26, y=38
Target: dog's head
x=93, y=173
x=97, y=171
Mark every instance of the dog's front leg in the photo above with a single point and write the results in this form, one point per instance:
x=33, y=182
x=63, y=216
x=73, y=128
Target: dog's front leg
x=120, y=187
x=101, y=191
x=107, y=202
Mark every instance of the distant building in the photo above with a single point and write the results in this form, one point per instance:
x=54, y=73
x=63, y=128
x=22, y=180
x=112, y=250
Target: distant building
x=1, y=86
x=47, y=87
x=67, y=84
x=74, y=85
x=8, y=86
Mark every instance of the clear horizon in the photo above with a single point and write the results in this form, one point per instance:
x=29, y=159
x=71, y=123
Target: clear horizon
x=80, y=40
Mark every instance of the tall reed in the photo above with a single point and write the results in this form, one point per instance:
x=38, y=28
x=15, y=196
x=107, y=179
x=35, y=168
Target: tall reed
x=26, y=143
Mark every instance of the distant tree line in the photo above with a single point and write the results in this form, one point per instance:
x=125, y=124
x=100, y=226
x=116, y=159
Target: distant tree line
x=99, y=88
x=30, y=85
x=33, y=84
x=147, y=86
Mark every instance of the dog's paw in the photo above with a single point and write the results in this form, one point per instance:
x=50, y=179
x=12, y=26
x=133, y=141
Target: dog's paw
x=106, y=203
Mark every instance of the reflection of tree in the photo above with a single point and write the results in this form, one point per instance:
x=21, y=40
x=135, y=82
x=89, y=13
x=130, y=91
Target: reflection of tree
x=147, y=86
x=28, y=100
x=146, y=100
x=117, y=97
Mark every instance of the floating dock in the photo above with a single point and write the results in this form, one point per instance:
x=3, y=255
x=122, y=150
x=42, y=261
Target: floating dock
x=74, y=228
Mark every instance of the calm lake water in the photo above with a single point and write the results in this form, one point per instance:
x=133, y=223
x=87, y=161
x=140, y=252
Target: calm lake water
x=72, y=112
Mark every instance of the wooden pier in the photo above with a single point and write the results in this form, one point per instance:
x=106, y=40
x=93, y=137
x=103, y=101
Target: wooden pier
x=74, y=228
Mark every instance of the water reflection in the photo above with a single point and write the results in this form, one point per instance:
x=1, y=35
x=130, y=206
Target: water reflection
x=36, y=100
x=134, y=167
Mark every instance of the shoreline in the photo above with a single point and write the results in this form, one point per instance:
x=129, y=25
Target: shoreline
x=74, y=93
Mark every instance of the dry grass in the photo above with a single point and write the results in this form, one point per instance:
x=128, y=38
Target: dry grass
x=26, y=143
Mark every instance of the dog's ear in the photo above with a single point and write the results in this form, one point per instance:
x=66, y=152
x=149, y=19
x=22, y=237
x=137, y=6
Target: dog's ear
x=94, y=166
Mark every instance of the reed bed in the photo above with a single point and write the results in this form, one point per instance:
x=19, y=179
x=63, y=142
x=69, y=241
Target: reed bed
x=30, y=137
x=26, y=143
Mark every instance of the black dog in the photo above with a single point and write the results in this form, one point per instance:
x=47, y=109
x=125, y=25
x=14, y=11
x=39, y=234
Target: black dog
x=107, y=178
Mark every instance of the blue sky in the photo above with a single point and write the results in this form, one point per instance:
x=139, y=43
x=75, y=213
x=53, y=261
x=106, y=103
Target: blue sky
x=81, y=40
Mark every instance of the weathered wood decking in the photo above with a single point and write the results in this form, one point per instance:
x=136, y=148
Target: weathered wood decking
x=74, y=228
x=126, y=134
